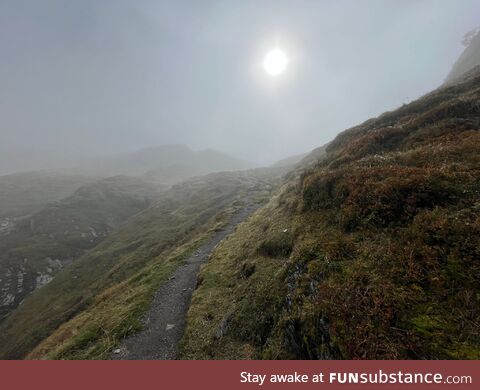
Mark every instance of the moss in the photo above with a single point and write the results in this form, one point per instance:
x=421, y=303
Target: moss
x=465, y=351
x=427, y=325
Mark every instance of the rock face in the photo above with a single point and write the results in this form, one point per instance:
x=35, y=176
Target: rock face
x=469, y=59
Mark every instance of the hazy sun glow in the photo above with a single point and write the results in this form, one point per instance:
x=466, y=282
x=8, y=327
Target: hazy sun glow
x=275, y=62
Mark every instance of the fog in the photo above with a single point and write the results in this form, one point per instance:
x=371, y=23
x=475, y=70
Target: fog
x=95, y=77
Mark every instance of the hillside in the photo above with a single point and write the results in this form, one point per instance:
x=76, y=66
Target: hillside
x=25, y=193
x=93, y=303
x=34, y=248
x=371, y=253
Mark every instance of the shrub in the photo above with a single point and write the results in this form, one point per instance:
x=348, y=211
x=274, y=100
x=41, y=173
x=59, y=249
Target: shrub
x=385, y=196
x=278, y=245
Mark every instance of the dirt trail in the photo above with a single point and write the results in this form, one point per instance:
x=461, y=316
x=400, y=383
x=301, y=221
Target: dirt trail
x=164, y=323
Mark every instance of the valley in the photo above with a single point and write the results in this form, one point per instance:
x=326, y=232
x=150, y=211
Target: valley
x=33, y=248
x=92, y=304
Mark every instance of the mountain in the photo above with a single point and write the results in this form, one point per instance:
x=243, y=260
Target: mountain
x=167, y=164
x=24, y=193
x=34, y=248
x=94, y=302
x=367, y=248
x=370, y=253
x=469, y=59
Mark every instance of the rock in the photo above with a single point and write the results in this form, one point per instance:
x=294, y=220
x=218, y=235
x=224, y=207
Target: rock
x=8, y=299
x=117, y=351
x=42, y=279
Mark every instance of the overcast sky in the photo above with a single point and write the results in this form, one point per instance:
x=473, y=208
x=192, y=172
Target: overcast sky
x=100, y=76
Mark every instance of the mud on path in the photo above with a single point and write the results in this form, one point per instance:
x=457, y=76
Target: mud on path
x=164, y=323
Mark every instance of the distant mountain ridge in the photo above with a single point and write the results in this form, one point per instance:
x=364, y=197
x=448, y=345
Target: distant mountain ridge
x=168, y=164
x=289, y=161
x=27, y=192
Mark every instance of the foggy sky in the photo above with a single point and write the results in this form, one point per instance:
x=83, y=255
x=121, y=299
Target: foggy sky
x=88, y=77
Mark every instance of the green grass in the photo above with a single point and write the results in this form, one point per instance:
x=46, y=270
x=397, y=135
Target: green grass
x=117, y=311
x=227, y=298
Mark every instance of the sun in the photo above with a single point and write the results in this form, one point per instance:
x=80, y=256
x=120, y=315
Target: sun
x=275, y=62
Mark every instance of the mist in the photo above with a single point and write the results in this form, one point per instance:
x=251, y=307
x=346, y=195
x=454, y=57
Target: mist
x=80, y=79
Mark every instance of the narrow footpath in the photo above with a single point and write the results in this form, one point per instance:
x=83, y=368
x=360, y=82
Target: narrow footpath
x=164, y=323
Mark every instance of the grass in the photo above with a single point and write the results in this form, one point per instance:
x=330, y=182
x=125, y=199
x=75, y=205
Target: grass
x=228, y=300
x=116, y=312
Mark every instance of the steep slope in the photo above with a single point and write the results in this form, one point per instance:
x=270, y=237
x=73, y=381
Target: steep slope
x=469, y=59
x=38, y=246
x=96, y=301
x=373, y=252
